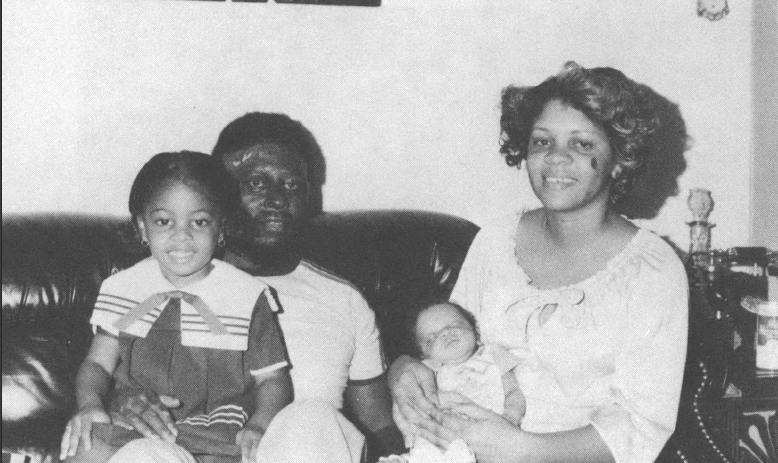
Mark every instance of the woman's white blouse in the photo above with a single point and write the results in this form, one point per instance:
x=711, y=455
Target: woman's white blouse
x=612, y=354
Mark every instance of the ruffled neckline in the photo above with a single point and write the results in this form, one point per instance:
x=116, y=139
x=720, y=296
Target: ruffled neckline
x=611, y=268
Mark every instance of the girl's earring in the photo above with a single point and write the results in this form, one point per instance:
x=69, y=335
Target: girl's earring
x=221, y=241
x=616, y=172
x=144, y=242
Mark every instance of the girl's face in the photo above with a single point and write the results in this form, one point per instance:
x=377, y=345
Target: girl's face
x=569, y=159
x=182, y=226
x=445, y=335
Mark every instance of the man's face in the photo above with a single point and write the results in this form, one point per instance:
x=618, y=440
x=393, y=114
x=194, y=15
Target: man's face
x=274, y=189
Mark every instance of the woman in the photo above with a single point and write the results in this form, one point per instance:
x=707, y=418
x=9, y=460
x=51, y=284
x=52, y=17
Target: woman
x=596, y=306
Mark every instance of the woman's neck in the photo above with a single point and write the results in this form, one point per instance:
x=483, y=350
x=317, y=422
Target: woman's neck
x=577, y=229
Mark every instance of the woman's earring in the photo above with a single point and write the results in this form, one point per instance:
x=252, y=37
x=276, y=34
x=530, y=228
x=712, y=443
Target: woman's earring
x=221, y=241
x=616, y=172
x=144, y=242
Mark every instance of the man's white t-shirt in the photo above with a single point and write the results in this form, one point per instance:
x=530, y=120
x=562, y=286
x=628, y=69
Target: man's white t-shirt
x=329, y=331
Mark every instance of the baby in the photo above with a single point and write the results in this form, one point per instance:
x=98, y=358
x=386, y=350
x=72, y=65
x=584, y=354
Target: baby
x=446, y=339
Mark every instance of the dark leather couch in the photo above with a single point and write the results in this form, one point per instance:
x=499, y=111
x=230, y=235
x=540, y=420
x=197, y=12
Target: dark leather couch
x=53, y=264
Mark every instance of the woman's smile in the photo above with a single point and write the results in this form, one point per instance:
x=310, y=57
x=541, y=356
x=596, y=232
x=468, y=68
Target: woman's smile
x=569, y=159
x=558, y=182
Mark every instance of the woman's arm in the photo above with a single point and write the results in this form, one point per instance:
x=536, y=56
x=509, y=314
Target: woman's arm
x=272, y=392
x=92, y=383
x=515, y=403
x=494, y=439
x=641, y=412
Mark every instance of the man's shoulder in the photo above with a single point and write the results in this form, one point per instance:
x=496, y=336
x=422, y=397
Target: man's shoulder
x=316, y=273
x=239, y=260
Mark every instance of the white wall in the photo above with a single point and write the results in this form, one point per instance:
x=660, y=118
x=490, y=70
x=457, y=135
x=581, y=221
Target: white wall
x=764, y=169
x=403, y=98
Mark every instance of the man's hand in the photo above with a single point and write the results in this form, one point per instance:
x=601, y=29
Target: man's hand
x=414, y=395
x=248, y=439
x=144, y=411
x=79, y=429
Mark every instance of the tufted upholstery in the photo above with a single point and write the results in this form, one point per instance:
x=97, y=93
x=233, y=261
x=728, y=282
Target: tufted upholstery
x=53, y=264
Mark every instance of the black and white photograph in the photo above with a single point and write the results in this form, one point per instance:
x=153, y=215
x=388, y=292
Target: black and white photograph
x=390, y=231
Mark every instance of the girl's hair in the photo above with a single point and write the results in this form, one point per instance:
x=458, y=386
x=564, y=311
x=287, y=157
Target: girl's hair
x=192, y=169
x=646, y=131
x=424, y=304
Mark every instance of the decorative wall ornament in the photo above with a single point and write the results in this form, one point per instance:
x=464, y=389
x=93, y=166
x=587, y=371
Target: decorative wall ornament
x=700, y=203
x=712, y=9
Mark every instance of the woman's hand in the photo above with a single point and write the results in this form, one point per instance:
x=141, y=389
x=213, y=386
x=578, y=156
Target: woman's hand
x=142, y=410
x=491, y=437
x=414, y=395
x=79, y=430
x=248, y=439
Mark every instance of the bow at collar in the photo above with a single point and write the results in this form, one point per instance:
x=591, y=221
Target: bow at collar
x=564, y=296
x=568, y=302
x=139, y=311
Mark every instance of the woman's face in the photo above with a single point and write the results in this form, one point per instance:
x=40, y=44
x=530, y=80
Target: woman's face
x=569, y=159
x=445, y=335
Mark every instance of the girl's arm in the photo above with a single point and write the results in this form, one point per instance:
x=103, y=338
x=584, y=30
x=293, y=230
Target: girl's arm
x=272, y=392
x=92, y=383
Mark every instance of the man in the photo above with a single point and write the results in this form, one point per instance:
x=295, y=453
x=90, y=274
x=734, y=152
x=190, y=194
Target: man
x=330, y=333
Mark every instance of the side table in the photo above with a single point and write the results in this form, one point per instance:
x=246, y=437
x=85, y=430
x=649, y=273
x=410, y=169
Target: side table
x=751, y=409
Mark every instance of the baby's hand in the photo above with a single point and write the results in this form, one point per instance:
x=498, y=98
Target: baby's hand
x=79, y=429
x=248, y=439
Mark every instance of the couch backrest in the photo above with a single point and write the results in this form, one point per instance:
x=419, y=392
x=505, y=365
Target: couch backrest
x=53, y=264
x=394, y=258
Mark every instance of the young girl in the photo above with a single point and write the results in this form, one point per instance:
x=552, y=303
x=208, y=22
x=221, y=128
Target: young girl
x=446, y=340
x=183, y=324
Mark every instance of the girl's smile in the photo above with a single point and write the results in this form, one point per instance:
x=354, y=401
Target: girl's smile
x=182, y=226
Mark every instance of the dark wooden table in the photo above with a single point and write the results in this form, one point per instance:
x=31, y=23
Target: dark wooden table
x=751, y=410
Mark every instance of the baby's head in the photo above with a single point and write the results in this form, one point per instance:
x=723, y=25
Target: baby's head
x=444, y=332
x=179, y=203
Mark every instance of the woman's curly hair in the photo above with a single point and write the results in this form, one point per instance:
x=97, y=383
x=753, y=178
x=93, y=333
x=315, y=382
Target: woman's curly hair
x=646, y=131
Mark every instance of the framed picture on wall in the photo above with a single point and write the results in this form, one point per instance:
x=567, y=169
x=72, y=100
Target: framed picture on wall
x=334, y=2
x=313, y=2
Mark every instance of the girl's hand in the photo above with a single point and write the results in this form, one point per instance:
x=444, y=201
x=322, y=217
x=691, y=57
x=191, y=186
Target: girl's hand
x=248, y=439
x=79, y=429
x=491, y=437
x=414, y=395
